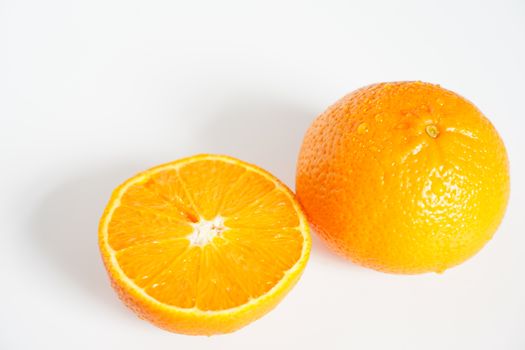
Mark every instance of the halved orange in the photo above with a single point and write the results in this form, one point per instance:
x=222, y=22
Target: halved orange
x=203, y=245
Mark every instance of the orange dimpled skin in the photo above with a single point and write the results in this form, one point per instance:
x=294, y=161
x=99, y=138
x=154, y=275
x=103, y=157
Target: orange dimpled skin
x=403, y=177
x=203, y=245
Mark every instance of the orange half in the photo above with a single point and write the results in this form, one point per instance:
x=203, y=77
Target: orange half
x=203, y=245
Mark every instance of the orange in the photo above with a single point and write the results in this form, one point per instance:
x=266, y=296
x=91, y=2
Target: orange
x=203, y=245
x=403, y=177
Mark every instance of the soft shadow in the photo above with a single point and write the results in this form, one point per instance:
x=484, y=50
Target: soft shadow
x=65, y=225
x=324, y=253
x=264, y=131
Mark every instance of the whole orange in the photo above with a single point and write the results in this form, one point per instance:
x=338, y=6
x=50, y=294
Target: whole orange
x=403, y=177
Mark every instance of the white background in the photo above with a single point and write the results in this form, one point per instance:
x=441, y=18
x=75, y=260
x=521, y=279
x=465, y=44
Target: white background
x=92, y=92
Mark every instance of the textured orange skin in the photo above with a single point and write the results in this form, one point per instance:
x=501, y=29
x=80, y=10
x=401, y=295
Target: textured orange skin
x=193, y=321
x=384, y=191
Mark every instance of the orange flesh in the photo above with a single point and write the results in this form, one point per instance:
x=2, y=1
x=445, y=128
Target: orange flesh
x=207, y=234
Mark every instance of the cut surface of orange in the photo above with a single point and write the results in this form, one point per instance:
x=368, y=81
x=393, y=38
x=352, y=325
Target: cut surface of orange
x=203, y=245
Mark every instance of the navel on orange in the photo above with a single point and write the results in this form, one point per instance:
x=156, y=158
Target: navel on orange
x=203, y=245
x=403, y=177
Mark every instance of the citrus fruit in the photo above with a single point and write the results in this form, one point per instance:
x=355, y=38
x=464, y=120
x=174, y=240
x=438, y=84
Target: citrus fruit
x=203, y=245
x=403, y=177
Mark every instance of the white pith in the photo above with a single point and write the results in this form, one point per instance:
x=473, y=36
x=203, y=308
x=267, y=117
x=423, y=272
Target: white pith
x=204, y=231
